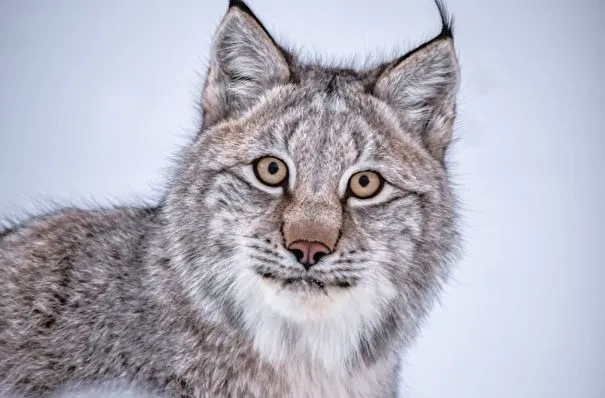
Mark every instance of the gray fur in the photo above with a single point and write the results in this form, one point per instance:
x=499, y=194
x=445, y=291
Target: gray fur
x=198, y=296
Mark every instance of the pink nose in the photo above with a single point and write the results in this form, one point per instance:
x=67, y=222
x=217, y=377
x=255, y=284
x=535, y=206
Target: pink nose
x=308, y=253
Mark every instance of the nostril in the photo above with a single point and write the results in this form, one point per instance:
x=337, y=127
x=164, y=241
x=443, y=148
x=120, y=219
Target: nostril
x=298, y=254
x=317, y=256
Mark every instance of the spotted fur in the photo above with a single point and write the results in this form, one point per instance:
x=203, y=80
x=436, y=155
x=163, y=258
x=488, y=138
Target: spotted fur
x=200, y=296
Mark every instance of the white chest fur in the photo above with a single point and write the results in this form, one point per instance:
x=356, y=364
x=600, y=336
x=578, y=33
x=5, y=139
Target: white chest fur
x=307, y=380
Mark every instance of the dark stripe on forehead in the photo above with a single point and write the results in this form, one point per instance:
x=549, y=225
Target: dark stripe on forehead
x=358, y=130
x=359, y=143
x=324, y=136
x=363, y=136
x=291, y=128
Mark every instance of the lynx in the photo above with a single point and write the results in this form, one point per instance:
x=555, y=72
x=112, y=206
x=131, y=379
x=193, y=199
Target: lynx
x=304, y=234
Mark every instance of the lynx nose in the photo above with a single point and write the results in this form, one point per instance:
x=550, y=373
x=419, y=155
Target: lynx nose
x=308, y=253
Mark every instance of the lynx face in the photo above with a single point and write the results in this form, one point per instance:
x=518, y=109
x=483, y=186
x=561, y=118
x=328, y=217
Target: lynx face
x=319, y=145
x=314, y=204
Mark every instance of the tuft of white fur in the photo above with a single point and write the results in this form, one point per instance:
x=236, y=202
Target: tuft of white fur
x=309, y=327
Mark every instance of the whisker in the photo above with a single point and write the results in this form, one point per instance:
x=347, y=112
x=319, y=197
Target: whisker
x=332, y=270
x=263, y=259
x=262, y=249
x=257, y=239
x=213, y=267
x=227, y=292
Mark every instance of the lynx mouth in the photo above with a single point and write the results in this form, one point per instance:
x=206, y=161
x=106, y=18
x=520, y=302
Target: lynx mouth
x=308, y=282
x=305, y=282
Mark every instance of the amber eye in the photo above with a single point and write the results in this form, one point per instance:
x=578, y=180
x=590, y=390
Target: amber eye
x=365, y=184
x=270, y=171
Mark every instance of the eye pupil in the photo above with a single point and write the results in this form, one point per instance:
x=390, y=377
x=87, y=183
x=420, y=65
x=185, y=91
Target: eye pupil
x=273, y=168
x=364, y=181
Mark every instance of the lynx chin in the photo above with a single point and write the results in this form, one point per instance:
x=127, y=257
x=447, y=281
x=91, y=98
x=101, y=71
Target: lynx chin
x=303, y=237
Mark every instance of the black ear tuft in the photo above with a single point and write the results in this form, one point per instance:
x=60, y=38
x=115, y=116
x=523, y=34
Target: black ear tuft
x=447, y=21
x=241, y=5
x=447, y=31
x=245, y=9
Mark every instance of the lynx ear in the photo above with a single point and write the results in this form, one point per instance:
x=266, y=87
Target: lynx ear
x=245, y=62
x=421, y=88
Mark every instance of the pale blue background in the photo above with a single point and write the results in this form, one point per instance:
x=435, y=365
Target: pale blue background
x=96, y=96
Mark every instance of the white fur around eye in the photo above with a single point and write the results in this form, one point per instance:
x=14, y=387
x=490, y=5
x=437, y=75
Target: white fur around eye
x=384, y=195
x=247, y=172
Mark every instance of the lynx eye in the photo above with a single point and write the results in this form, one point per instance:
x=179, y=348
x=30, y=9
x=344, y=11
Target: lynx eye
x=270, y=171
x=365, y=184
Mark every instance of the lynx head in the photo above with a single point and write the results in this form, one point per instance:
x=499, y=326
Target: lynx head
x=313, y=208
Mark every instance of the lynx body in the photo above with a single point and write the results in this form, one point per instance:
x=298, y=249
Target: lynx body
x=303, y=237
